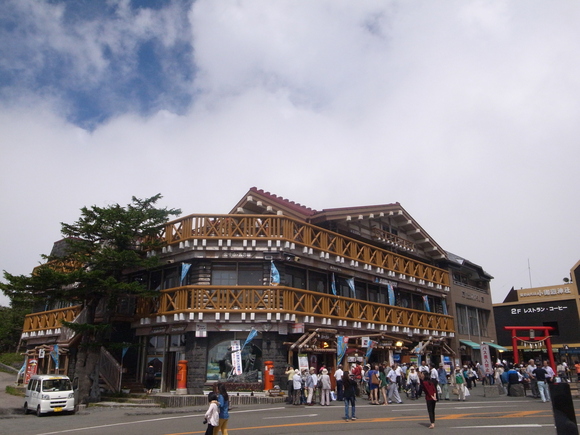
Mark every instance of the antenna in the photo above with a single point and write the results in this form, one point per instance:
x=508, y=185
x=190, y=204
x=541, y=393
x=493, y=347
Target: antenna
x=530, y=273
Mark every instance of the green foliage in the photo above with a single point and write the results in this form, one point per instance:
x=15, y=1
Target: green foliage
x=11, y=321
x=14, y=391
x=101, y=246
x=12, y=359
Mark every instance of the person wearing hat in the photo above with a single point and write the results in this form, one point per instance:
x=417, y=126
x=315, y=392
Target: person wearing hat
x=296, y=387
x=458, y=381
x=325, y=394
x=310, y=384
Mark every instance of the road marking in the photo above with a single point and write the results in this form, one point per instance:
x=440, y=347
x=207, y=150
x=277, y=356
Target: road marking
x=102, y=426
x=500, y=426
x=290, y=416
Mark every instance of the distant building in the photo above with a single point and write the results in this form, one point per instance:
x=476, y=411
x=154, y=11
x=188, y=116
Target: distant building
x=556, y=306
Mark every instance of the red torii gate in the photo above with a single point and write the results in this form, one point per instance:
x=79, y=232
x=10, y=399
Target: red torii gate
x=545, y=337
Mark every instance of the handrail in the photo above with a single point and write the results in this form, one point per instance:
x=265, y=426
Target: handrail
x=286, y=300
x=283, y=228
x=109, y=370
x=51, y=319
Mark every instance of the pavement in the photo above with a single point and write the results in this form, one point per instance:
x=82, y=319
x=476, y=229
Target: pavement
x=11, y=405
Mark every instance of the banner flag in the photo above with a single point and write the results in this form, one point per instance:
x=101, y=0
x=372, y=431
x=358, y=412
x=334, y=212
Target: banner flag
x=391, y=294
x=444, y=303
x=350, y=282
x=341, y=345
x=237, y=362
x=184, y=269
x=251, y=336
x=274, y=274
x=54, y=355
x=333, y=285
x=372, y=344
x=426, y=300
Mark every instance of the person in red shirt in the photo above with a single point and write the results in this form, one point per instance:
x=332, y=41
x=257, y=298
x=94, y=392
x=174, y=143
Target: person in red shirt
x=577, y=365
x=430, y=390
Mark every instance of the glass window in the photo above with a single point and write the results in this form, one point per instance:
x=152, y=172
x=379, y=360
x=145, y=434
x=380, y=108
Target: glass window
x=295, y=277
x=373, y=294
x=317, y=281
x=251, y=274
x=224, y=274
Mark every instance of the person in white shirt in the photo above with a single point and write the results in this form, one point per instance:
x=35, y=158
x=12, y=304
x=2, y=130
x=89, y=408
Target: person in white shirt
x=339, y=387
x=393, y=388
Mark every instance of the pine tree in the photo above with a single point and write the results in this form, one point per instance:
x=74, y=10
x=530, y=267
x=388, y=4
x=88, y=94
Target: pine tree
x=102, y=246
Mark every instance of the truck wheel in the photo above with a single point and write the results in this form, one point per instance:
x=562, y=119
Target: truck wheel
x=26, y=411
x=38, y=413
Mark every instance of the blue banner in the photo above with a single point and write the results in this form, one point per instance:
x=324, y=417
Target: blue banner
x=54, y=355
x=426, y=300
x=184, y=269
x=333, y=285
x=370, y=349
x=251, y=336
x=391, y=294
x=444, y=303
x=350, y=282
x=341, y=345
x=274, y=274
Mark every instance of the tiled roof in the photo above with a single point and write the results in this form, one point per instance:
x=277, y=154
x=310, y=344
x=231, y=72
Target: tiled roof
x=307, y=211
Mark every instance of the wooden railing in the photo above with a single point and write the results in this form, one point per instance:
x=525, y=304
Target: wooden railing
x=50, y=319
x=286, y=300
x=109, y=370
x=285, y=229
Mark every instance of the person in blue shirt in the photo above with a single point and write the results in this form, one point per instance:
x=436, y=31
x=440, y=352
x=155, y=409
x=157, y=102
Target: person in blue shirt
x=443, y=383
x=224, y=403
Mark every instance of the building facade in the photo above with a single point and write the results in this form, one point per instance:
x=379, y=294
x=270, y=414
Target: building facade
x=274, y=283
x=556, y=307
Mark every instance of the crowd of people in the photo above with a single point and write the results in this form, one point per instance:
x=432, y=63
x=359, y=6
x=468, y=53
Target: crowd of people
x=383, y=384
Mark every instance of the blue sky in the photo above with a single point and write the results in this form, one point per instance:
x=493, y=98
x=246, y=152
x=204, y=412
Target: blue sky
x=466, y=112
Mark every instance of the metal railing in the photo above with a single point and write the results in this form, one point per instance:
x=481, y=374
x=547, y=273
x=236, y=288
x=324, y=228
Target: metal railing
x=286, y=300
x=311, y=237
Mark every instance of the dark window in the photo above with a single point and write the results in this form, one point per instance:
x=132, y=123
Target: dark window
x=317, y=281
x=295, y=278
x=224, y=274
x=250, y=274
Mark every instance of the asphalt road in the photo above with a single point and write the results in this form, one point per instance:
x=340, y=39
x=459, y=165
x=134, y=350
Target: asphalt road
x=478, y=415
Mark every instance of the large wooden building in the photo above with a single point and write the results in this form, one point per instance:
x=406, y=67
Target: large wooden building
x=291, y=285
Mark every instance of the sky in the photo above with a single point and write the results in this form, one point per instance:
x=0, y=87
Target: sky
x=465, y=112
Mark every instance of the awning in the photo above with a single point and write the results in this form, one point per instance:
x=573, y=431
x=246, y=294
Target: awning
x=471, y=344
x=497, y=346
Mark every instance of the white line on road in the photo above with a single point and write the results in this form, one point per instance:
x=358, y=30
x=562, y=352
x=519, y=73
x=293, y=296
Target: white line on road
x=149, y=421
x=290, y=416
x=500, y=426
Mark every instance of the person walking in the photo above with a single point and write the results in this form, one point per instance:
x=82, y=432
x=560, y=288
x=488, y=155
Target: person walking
x=149, y=378
x=393, y=387
x=374, y=384
x=212, y=415
x=384, y=383
x=310, y=384
x=296, y=387
x=349, y=385
x=338, y=377
x=325, y=395
x=428, y=387
x=224, y=412
x=443, y=382
x=413, y=383
x=459, y=384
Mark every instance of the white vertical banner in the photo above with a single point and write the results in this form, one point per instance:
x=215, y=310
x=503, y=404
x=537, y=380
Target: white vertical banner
x=237, y=362
x=235, y=344
x=486, y=359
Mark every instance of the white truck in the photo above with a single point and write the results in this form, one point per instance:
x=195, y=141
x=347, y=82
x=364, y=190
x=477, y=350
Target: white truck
x=49, y=393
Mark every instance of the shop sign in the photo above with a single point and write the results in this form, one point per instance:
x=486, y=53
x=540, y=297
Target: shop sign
x=302, y=362
x=40, y=353
x=297, y=328
x=201, y=330
x=365, y=341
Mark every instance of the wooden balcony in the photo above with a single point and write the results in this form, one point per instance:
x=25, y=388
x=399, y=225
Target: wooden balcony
x=286, y=300
x=300, y=234
x=49, y=320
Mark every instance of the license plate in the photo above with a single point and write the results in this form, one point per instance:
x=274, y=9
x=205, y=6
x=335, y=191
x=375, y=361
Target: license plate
x=57, y=409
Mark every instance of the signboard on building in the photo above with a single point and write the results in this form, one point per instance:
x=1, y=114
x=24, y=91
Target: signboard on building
x=201, y=330
x=235, y=344
x=302, y=362
x=365, y=341
x=486, y=361
x=297, y=328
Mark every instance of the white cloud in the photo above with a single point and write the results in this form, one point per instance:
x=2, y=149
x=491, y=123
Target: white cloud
x=464, y=112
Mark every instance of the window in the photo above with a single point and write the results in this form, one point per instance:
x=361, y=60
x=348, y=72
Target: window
x=224, y=274
x=317, y=281
x=294, y=277
x=229, y=274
